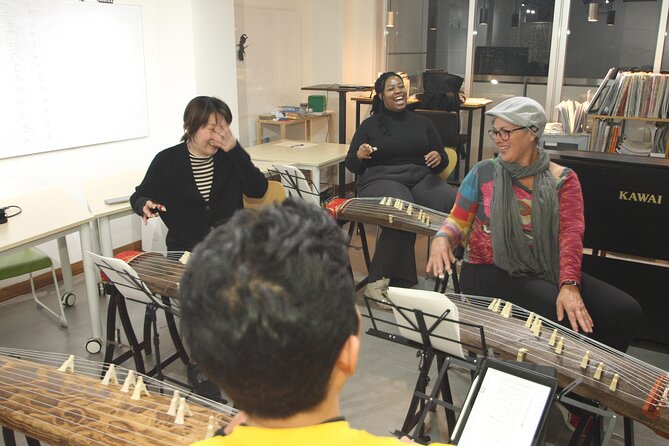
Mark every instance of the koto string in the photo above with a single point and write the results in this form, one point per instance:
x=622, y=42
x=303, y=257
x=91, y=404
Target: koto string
x=612, y=355
x=522, y=332
x=93, y=369
x=612, y=359
x=19, y=381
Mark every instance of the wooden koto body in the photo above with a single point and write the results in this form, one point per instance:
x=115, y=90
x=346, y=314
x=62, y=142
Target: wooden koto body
x=74, y=409
x=388, y=212
x=620, y=382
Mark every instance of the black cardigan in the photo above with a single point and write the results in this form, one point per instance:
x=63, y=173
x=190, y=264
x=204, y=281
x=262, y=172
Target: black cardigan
x=170, y=182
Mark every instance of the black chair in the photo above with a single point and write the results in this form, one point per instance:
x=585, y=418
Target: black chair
x=448, y=126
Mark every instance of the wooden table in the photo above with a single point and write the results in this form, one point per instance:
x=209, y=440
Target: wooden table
x=342, y=90
x=469, y=106
x=261, y=123
x=304, y=155
x=52, y=214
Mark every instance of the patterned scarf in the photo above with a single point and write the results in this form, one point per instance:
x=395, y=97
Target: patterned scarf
x=512, y=249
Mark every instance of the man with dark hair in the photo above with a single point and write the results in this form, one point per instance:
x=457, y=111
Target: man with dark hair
x=268, y=310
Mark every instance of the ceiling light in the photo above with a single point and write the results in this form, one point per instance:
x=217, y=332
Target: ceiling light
x=390, y=19
x=610, y=18
x=593, y=10
x=483, y=15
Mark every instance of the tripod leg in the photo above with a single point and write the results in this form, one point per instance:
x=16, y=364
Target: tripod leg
x=365, y=247
x=153, y=317
x=446, y=393
x=111, y=328
x=628, y=424
x=174, y=332
x=456, y=281
x=147, y=334
x=8, y=436
x=135, y=347
x=417, y=403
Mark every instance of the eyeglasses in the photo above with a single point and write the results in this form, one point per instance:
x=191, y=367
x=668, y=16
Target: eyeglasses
x=503, y=134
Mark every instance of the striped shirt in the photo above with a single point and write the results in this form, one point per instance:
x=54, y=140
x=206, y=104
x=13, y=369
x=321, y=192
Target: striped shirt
x=203, y=172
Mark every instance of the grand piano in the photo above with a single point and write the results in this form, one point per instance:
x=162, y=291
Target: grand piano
x=627, y=212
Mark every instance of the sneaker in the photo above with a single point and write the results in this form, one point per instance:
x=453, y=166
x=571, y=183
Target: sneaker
x=378, y=291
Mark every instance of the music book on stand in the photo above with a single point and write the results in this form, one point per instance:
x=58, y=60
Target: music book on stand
x=506, y=405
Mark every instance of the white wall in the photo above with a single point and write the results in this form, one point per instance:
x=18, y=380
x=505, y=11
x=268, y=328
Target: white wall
x=339, y=42
x=271, y=73
x=296, y=43
x=188, y=50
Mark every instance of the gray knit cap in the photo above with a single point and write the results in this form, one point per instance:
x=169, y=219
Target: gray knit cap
x=523, y=112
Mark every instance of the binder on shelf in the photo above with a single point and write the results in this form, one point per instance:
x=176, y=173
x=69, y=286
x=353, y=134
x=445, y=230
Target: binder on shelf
x=640, y=97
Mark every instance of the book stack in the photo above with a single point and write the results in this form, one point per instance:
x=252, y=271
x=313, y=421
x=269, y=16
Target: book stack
x=607, y=136
x=289, y=112
x=643, y=95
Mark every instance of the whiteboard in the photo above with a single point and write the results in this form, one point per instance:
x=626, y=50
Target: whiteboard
x=71, y=75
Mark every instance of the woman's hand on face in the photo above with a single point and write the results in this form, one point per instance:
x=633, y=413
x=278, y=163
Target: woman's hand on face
x=569, y=301
x=151, y=209
x=222, y=136
x=432, y=159
x=365, y=151
x=441, y=257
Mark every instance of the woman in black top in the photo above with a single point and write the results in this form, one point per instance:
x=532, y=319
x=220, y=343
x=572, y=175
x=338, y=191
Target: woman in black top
x=198, y=184
x=397, y=153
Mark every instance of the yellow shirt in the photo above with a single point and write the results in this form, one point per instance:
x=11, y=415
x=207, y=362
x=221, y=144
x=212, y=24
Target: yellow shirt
x=337, y=433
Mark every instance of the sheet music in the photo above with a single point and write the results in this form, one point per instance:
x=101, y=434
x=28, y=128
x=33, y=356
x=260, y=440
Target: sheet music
x=507, y=411
x=572, y=115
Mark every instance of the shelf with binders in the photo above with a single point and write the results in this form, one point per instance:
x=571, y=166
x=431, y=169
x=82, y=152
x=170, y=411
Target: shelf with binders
x=630, y=135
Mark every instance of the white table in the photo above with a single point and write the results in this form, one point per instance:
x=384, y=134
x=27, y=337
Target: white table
x=52, y=214
x=98, y=190
x=305, y=155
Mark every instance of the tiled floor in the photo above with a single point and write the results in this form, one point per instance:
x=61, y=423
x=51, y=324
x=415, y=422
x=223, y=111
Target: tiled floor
x=376, y=399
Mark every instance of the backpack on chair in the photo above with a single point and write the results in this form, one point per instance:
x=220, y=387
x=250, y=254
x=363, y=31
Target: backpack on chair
x=441, y=91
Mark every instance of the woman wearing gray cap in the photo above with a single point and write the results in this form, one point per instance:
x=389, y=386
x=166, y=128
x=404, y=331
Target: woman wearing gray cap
x=521, y=216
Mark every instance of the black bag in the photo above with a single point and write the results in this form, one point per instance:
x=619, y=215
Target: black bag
x=441, y=91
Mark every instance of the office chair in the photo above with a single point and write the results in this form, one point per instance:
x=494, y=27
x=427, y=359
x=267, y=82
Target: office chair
x=276, y=193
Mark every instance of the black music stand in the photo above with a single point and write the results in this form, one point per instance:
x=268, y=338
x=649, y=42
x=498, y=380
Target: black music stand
x=295, y=183
x=425, y=332
x=124, y=284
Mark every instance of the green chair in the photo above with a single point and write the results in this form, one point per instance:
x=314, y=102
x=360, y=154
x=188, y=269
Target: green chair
x=29, y=261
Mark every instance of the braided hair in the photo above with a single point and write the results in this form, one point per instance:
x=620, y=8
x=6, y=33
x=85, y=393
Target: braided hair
x=377, y=102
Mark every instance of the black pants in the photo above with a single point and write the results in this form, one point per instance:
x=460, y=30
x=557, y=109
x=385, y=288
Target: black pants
x=394, y=256
x=615, y=314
